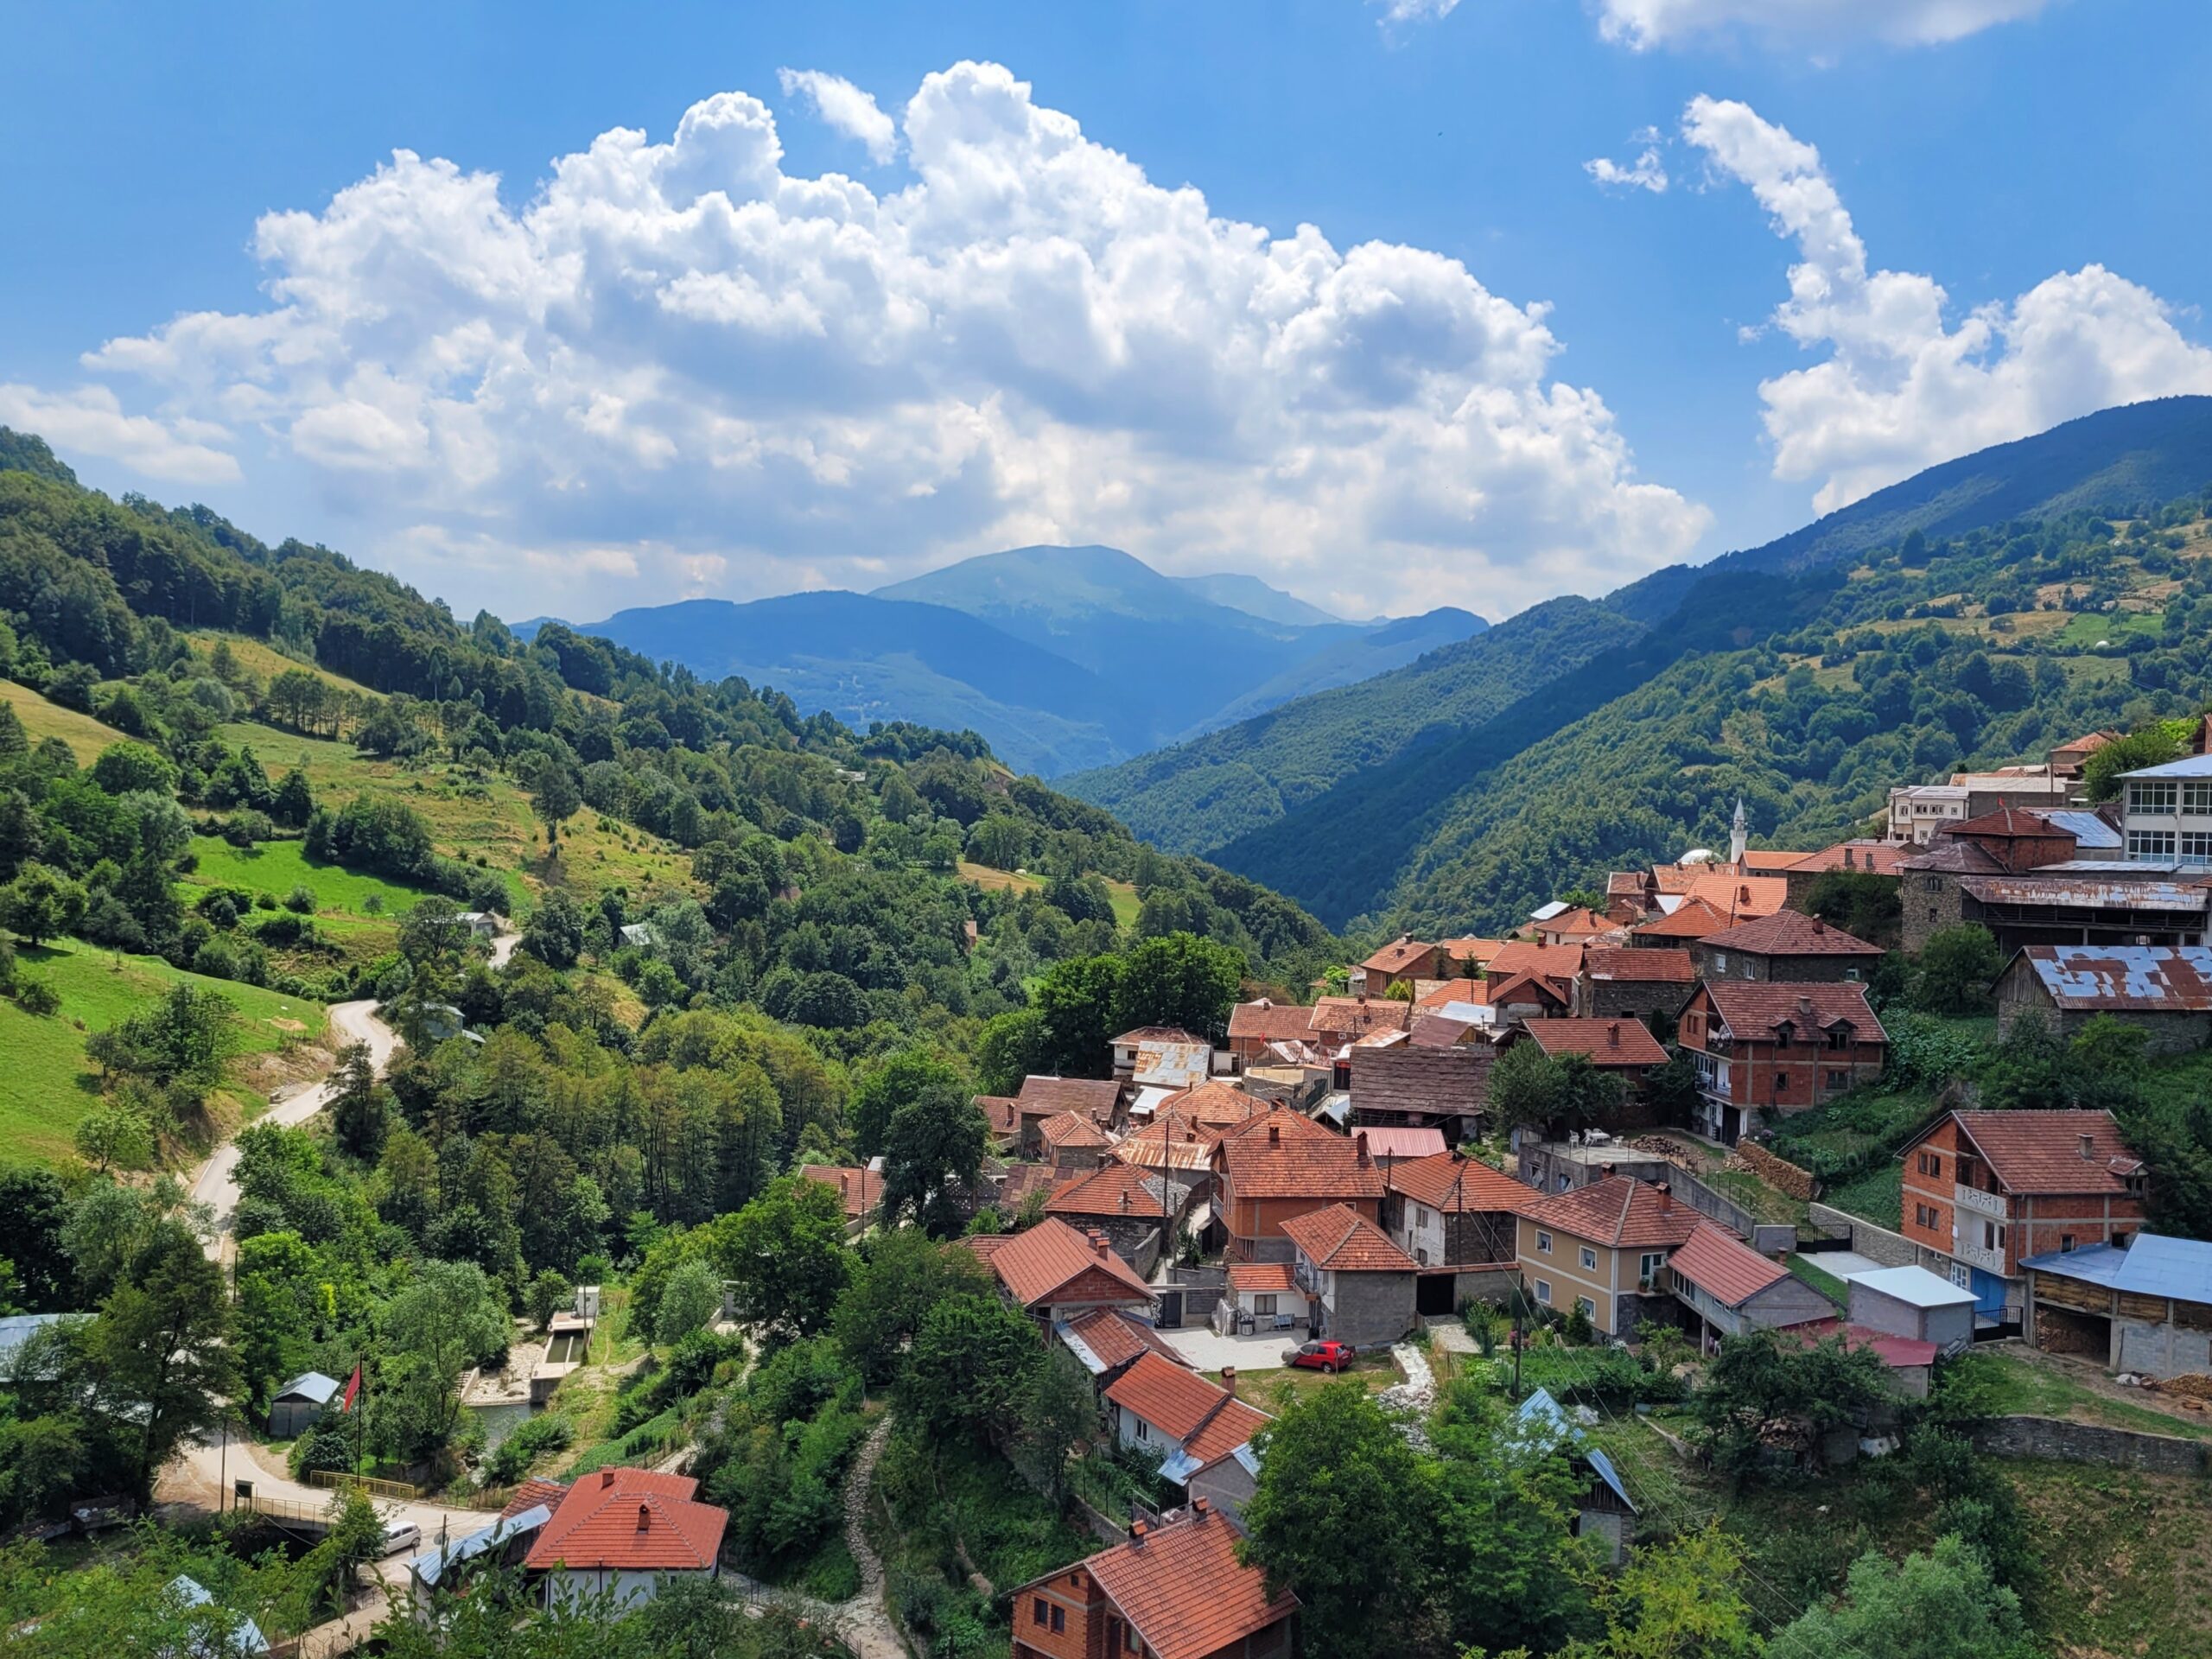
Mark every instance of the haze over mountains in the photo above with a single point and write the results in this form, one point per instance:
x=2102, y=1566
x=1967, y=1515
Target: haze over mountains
x=1062, y=657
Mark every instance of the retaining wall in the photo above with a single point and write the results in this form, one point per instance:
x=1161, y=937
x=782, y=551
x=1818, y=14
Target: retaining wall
x=2064, y=1442
x=1875, y=1243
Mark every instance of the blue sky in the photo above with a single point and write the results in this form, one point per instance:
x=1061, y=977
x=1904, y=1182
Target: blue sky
x=1488, y=378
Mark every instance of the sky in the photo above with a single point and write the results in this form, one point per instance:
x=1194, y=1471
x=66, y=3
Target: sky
x=555, y=309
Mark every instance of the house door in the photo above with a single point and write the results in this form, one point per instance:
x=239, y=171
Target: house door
x=1988, y=1294
x=1171, y=1310
x=1433, y=1293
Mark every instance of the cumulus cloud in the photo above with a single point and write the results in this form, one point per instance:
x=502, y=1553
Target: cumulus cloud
x=90, y=420
x=1414, y=11
x=745, y=381
x=1901, y=388
x=1644, y=24
x=845, y=107
x=1646, y=172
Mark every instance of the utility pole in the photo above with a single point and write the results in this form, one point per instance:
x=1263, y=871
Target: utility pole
x=1516, y=1353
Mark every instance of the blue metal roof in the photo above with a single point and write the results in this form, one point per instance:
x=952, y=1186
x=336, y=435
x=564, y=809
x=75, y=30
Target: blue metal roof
x=1540, y=1410
x=2087, y=827
x=2150, y=1265
x=2190, y=765
x=431, y=1566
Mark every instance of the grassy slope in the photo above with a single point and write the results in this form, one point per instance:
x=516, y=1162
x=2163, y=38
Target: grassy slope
x=86, y=737
x=265, y=662
x=46, y=1084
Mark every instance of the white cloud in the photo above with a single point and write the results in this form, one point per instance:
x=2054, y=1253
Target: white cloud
x=749, y=381
x=1901, y=389
x=90, y=420
x=1414, y=11
x=1646, y=172
x=1643, y=24
x=845, y=107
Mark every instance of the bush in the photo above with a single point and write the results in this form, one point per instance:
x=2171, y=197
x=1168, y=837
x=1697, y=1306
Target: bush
x=301, y=900
x=37, y=996
x=511, y=1460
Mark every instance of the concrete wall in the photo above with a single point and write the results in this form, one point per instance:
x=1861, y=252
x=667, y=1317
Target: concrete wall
x=2115, y=1448
x=1368, y=1310
x=1877, y=1243
x=1226, y=1485
x=1932, y=902
x=2159, y=1349
x=1950, y=1329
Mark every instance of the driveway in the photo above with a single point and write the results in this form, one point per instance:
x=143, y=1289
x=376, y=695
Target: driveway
x=1210, y=1353
x=1844, y=1263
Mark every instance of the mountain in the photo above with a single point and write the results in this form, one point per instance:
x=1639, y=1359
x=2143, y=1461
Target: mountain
x=1254, y=598
x=1451, y=813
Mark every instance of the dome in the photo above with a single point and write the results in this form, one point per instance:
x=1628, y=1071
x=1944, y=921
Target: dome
x=1697, y=856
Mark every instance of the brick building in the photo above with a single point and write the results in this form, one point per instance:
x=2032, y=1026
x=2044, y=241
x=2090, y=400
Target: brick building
x=1775, y=1048
x=1982, y=1190
x=1400, y=962
x=1053, y=1273
x=1787, y=945
x=1283, y=1165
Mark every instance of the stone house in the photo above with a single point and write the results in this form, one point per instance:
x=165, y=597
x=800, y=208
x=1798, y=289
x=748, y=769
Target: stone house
x=2166, y=991
x=1053, y=1273
x=1604, y=1246
x=1775, y=1048
x=1067, y=1140
x=1621, y=1048
x=2144, y=1305
x=1137, y=1209
x=1648, y=984
x=1876, y=858
x=1359, y=1285
x=1456, y=1217
x=1602, y=1510
x=1788, y=945
x=1099, y=1099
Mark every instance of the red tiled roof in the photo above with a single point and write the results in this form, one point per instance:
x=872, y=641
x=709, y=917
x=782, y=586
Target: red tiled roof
x=632, y=1520
x=1545, y=961
x=1770, y=858
x=1260, y=1277
x=1183, y=1590
x=1354, y=1016
x=1002, y=1112
x=1454, y=990
x=1879, y=857
x=1580, y=919
x=1072, y=1129
x=2009, y=822
x=1398, y=956
x=1607, y=1042
x=860, y=1190
x=1729, y=1271
x=1618, y=1211
x=2039, y=1152
x=1268, y=1022
x=1285, y=1154
x=1530, y=987
x=1341, y=1240
x=1434, y=1031
x=1649, y=965
x=1896, y=1352
x=1691, y=919
x=1020, y=1179
x=1094, y=1097
x=1791, y=933
x=1387, y=1140
x=1181, y=1143
x=1741, y=897
x=1752, y=1008
x=1117, y=1338
x=1158, y=1034
x=1456, y=1184
x=1212, y=1102
x=531, y=1493
x=1207, y=1421
x=1471, y=947
x=1034, y=1264
x=1112, y=1189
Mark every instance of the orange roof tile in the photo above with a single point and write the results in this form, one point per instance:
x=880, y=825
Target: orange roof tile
x=1476, y=991
x=2040, y=1152
x=1213, y=1102
x=1876, y=857
x=1112, y=1189
x=1205, y=1419
x=1456, y=1184
x=1340, y=1240
x=633, y=1521
x=1117, y=1338
x=1693, y=918
x=1472, y=948
x=1616, y=1210
x=531, y=1493
x=1791, y=933
x=1354, y=1016
x=1398, y=956
x=1741, y=897
x=1266, y=1022
x=1176, y=1140
x=1644, y=965
x=1607, y=1042
x=1183, y=1591
x=1752, y=1008
x=1771, y=858
x=861, y=1190
x=1284, y=1154
x=1072, y=1129
x=1544, y=961
x=1034, y=1264
x=1002, y=1112
x=1724, y=1267
x=1095, y=1098
x=1260, y=1277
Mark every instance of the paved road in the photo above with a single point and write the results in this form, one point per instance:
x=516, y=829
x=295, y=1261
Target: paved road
x=216, y=1183
x=503, y=946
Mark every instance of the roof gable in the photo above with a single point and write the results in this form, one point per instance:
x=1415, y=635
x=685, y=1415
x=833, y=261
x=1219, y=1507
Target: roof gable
x=1034, y=1264
x=1340, y=1240
x=631, y=1520
x=1616, y=1211
x=1790, y=933
x=1457, y=1185
x=1183, y=1589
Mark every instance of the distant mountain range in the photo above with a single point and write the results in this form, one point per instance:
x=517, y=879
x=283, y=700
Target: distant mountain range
x=1434, y=788
x=1062, y=657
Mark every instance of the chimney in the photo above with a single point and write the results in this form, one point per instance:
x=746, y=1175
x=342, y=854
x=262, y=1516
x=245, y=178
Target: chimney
x=1666, y=1199
x=1136, y=1534
x=605, y=1478
x=844, y=1185
x=1200, y=1508
x=1818, y=926
x=1125, y=1201
x=645, y=1517
x=1274, y=1134
x=2088, y=1148
x=1098, y=1243
x=1228, y=1382
x=1613, y=1034
x=1359, y=1146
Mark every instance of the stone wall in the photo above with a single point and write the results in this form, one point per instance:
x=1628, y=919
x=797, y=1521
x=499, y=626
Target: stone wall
x=2064, y=1442
x=1777, y=1173
x=1877, y=1243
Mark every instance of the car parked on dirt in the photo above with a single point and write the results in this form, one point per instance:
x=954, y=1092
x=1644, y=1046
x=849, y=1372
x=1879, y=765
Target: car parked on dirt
x=1330, y=1356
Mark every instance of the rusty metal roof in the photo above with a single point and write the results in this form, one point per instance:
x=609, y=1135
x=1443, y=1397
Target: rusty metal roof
x=2084, y=892
x=2145, y=977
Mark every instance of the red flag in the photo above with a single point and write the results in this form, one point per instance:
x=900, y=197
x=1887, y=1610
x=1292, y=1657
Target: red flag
x=352, y=1390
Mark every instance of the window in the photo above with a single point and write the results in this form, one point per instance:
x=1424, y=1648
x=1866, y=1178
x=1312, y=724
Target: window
x=1589, y=1259
x=2151, y=795
x=2145, y=844
x=1589, y=1308
x=1264, y=1305
x=1839, y=1035
x=1782, y=1036
x=1421, y=1217
x=1781, y=1085
x=2065, y=1242
x=1544, y=1291
x=1989, y=1236
x=2195, y=849
x=1543, y=1243
x=1144, y=1429
x=1839, y=1079
x=1059, y=1619
x=1851, y=973
x=1720, y=961
x=1129, y=1641
x=1648, y=1269
x=2196, y=796
x=1931, y=1163
x=1037, y=1609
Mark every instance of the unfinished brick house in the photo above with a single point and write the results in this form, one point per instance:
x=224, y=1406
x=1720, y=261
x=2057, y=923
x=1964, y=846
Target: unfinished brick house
x=1283, y=1165
x=1775, y=1048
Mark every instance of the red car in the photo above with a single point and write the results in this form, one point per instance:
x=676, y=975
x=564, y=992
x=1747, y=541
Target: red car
x=1330, y=1356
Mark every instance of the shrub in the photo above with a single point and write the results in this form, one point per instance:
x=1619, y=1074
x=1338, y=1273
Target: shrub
x=511, y=1460
x=37, y=996
x=301, y=900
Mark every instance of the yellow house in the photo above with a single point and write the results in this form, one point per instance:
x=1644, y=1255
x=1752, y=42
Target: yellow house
x=1604, y=1246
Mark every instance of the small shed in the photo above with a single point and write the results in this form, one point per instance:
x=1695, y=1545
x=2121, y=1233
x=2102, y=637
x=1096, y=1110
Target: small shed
x=299, y=1404
x=1733, y=1288
x=1913, y=1302
x=231, y=1635
x=1604, y=1511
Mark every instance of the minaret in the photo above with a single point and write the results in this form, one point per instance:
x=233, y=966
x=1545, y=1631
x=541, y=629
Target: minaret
x=1739, y=835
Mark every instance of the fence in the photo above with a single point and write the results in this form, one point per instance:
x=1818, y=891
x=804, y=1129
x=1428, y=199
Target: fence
x=1875, y=1243
x=337, y=1480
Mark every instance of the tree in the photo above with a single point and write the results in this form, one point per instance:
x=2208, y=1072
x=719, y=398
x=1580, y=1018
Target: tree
x=41, y=903
x=556, y=797
x=1675, y=1600
x=1010, y=1048
x=1075, y=1003
x=555, y=932
x=549, y=1294
x=295, y=802
x=114, y=1137
x=688, y=1301
x=902, y=1274
x=161, y=1346
x=1525, y=1087
x=1178, y=980
x=1956, y=966
x=786, y=1251
x=436, y=1328
x=933, y=1147
x=1056, y=1411
x=910, y=1075
x=36, y=1210
x=972, y=1361
x=1939, y=1604
x=357, y=1104
x=2147, y=746
x=123, y=767
x=1342, y=1517
x=1759, y=1379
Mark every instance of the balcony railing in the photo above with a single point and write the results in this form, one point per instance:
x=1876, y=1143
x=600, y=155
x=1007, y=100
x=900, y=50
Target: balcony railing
x=1975, y=1257
x=1982, y=1203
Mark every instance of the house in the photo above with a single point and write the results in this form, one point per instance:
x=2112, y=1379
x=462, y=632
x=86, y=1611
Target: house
x=641, y=936
x=502, y=1544
x=1648, y=984
x=1788, y=945
x=1732, y=1288
x=1173, y=1592
x=1002, y=1115
x=1620, y=1046
x=1098, y=1099
x=480, y=923
x=1130, y=1046
x=1557, y=965
x=1014, y=1183
x=1390, y=1146
x=1171, y=1064
x=1456, y=1217
x=1402, y=961
x=1359, y=1284
x=1337, y=1021
x=2019, y=786
x=1690, y=920
x=1917, y=811
x=1519, y=998
x=1262, y=1296
x=1281, y=1165
x=295, y=1408
x=1210, y=1106
x=1775, y=1048
x=2083, y=901
x=1740, y=896
x=624, y=1533
x=2144, y=1305
x=859, y=1191
x=2165, y=990
x=1255, y=1028
x=1604, y=1246
x=2069, y=758
x=1984, y=1190
x=1603, y=1510
x=1910, y=1363
x=1191, y=1423
x=1445, y=1030
x=1414, y=1086
x=1068, y=1140
x=1052, y=1272
x=1914, y=1303
x=1563, y=924
x=1107, y=1341
x=1137, y=1209
x=1858, y=857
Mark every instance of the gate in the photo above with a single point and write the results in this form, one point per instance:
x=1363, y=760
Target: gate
x=1170, y=1311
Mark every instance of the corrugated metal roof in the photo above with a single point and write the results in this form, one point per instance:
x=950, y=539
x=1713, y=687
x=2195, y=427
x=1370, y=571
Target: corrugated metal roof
x=431, y=1566
x=1915, y=1286
x=2141, y=977
x=2087, y=827
x=2190, y=765
x=1541, y=1411
x=2084, y=892
x=2151, y=1265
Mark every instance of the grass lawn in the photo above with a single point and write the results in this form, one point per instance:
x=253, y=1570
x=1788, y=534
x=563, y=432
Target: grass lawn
x=277, y=866
x=991, y=881
x=265, y=662
x=1820, y=1279
x=2009, y=1384
x=1269, y=1390
x=45, y=1082
x=1125, y=902
x=86, y=737
x=1877, y=1195
x=1766, y=1202
x=2126, y=1560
